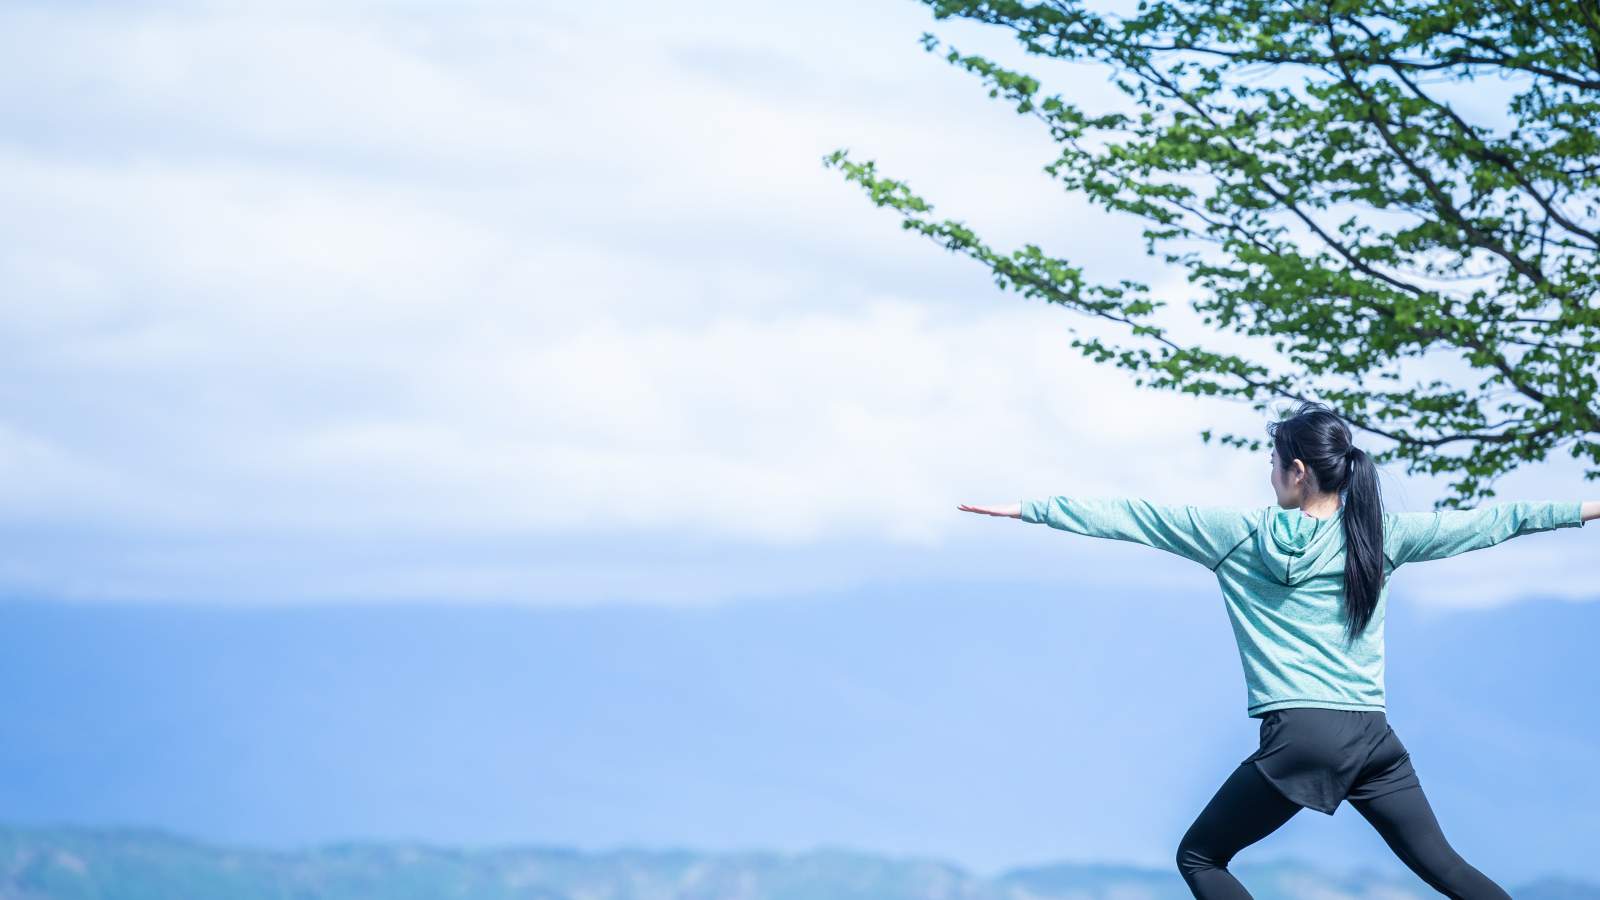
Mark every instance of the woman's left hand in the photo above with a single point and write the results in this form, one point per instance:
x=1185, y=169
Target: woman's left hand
x=1010, y=511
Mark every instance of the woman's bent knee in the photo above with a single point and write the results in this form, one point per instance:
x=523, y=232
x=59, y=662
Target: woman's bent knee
x=1193, y=858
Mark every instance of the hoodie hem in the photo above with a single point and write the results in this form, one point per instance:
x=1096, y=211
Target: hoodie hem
x=1315, y=702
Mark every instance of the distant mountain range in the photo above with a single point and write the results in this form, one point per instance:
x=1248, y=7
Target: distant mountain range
x=85, y=864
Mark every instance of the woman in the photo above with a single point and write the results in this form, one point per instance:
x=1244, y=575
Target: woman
x=1304, y=583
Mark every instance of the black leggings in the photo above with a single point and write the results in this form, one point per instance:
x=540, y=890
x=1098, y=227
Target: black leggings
x=1247, y=808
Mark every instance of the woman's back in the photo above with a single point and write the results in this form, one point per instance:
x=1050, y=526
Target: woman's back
x=1282, y=576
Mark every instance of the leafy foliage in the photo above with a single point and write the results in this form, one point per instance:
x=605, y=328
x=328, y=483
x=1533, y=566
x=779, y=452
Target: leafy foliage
x=1354, y=216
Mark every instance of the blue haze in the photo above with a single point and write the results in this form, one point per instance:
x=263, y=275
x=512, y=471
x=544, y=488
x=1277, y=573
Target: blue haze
x=994, y=724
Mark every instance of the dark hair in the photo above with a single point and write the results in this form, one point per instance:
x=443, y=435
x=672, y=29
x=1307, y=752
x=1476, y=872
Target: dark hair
x=1317, y=436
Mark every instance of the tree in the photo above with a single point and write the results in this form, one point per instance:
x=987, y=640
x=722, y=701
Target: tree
x=1419, y=230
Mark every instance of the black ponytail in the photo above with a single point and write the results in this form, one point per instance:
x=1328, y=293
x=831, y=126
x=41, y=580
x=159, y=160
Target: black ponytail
x=1317, y=436
x=1363, y=542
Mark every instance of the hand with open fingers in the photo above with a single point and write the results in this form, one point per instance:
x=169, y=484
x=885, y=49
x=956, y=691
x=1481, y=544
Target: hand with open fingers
x=1011, y=510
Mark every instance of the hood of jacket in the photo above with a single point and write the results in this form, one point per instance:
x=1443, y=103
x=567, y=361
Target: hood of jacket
x=1293, y=546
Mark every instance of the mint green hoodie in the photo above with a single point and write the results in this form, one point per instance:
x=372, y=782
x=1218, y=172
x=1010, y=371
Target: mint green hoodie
x=1282, y=578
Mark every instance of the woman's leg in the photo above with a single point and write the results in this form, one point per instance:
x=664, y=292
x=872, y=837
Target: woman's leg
x=1244, y=810
x=1406, y=821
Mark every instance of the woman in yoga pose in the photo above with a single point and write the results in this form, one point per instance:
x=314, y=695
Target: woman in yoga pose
x=1304, y=581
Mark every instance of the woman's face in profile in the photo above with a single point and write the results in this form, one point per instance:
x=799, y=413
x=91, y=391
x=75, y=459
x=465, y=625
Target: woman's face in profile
x=1279, y=487
x=1289, y=495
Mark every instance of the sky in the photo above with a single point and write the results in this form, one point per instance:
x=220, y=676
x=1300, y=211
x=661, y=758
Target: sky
x=336, y=330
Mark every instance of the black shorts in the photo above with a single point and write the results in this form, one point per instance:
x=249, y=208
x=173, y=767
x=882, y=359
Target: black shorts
x=1319, y=757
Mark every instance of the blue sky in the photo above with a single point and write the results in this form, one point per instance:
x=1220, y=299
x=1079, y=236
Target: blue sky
x=501, y=320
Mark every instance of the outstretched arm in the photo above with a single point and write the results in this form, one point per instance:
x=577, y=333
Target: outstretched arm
x=1414, y=537
x=1591, y=509
x=1204, y=534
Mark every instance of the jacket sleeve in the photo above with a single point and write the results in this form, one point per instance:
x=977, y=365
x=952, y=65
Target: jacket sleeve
x=1205, y=534
x=1415, y=537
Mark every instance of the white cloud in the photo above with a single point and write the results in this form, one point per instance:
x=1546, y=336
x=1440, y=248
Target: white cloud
x=292, y=281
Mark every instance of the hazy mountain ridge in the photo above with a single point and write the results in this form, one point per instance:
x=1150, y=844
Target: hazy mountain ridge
x=88, y=864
